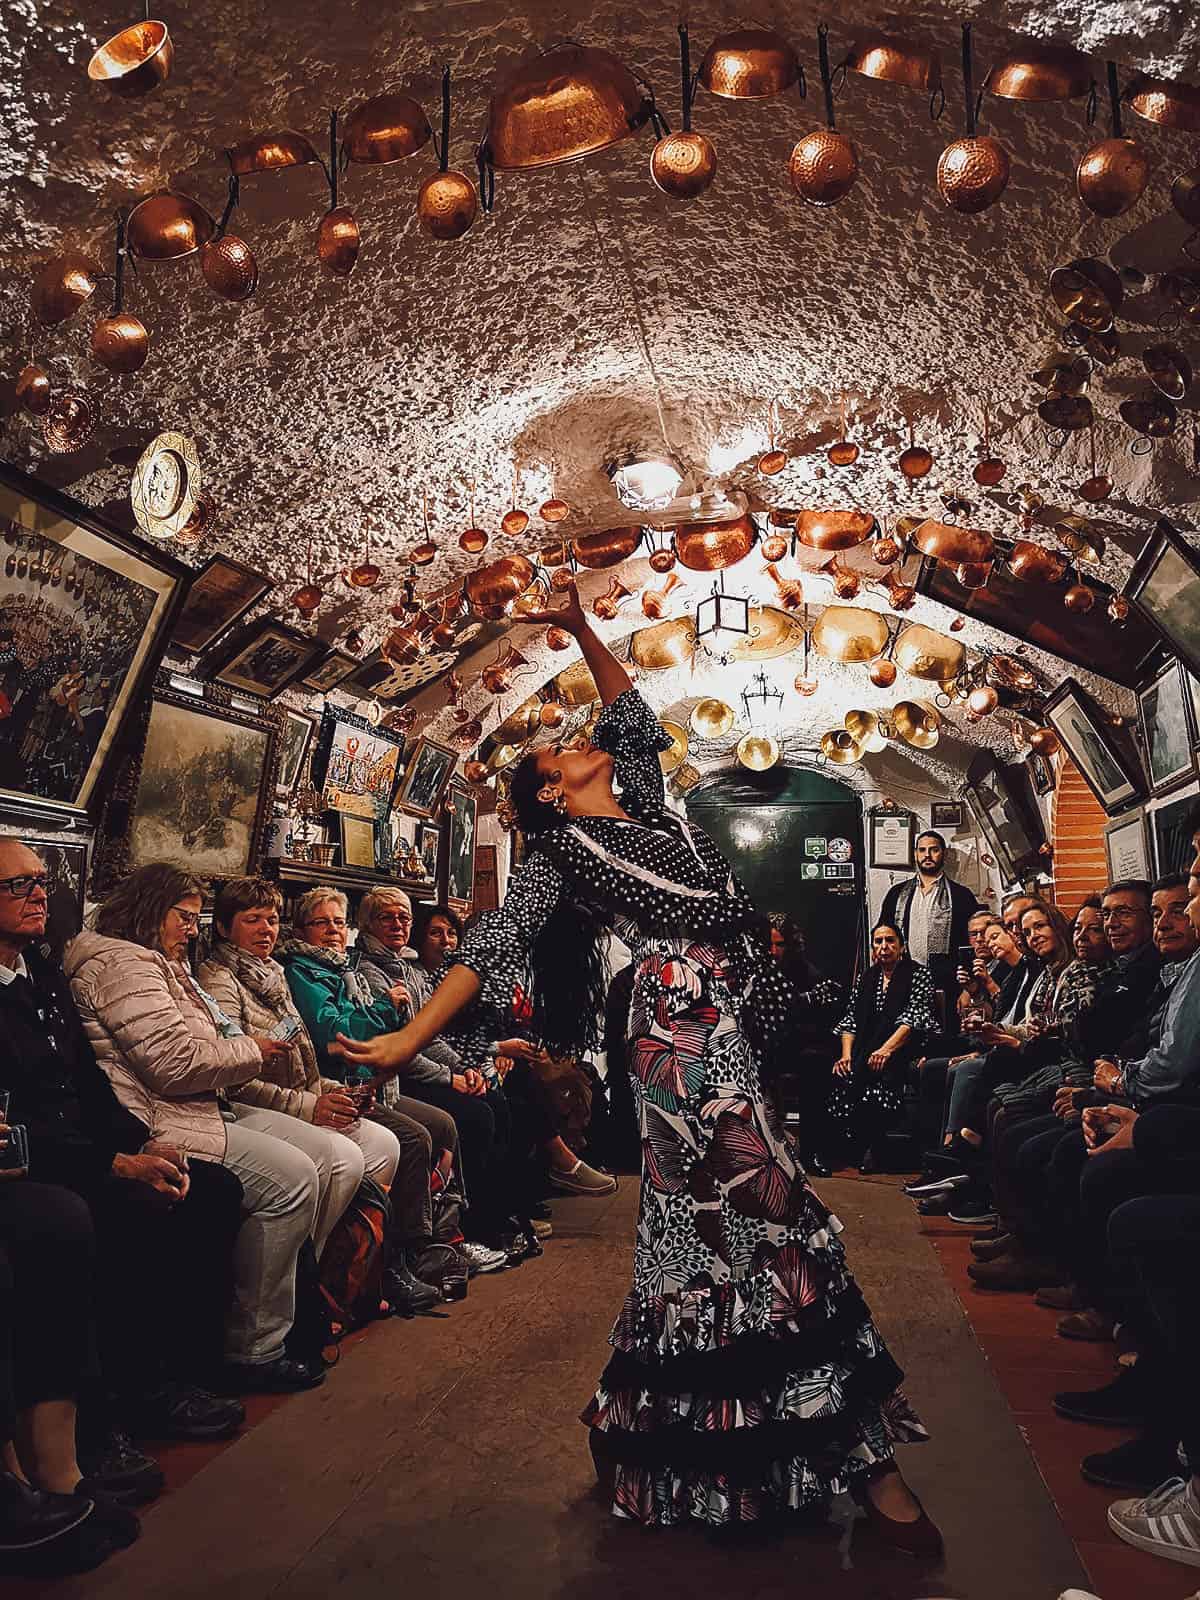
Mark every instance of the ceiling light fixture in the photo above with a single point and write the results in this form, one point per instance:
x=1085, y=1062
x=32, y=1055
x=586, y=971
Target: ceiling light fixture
x=646, y=483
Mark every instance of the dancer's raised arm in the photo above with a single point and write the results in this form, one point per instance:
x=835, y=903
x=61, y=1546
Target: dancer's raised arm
x=611, y=677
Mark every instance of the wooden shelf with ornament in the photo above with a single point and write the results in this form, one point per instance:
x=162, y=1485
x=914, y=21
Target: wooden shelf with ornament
x=352, y=880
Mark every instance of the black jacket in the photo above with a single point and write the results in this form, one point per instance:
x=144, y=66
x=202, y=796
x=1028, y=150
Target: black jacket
x=1124, y=1015
x=963, y=906
x=75, y=1123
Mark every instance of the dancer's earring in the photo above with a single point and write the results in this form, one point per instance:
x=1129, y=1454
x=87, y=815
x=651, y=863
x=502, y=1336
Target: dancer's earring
x=550, y=796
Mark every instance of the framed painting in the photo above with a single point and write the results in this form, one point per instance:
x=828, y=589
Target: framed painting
x=356, y=764
x=462, y=807
x=397, y=841
x=1004, y=796
x=222, y=592
x=994, y=842
x=485, y=892
x=85, y=615
x=263, y=658
x=1108, y=767
x=1171, y=828
x=1041, y=772
x=66, y=861
x=294, y=739
x=327, y=674
x=1127, y=847
x=357, y=836
x=1165, y=717
x=201, y=792
x=1165, y=587
x=425, y=778
x=429, y=839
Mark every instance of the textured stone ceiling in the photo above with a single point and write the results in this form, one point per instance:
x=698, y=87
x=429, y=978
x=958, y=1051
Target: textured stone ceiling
x=589, y=315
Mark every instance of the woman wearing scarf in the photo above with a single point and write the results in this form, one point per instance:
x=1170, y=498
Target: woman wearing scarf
x=890, y=1012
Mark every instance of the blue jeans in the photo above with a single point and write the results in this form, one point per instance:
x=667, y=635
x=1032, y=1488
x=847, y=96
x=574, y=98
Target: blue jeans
x=962, y=1081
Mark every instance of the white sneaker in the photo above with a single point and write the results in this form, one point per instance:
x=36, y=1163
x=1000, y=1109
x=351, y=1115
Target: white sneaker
x=1165, y=1523
x=1077, y=1594
x=480, y=1259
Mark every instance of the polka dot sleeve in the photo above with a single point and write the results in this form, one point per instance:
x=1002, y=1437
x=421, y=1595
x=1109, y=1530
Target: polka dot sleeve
x=499, y=946
x=918, y=1013
x=629, y=732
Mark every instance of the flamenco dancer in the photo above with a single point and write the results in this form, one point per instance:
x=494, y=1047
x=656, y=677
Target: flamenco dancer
x=747, y=1377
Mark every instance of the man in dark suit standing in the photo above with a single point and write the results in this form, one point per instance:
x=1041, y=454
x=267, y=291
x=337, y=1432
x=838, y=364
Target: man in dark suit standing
x=931, y=911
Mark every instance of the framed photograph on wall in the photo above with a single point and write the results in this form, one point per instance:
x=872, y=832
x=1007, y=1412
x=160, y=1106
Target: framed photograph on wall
x=462, y=806
x=1165, y=587
x=1165, y=715
x=946, y=814
x=85, y=614
x=356, y=764
x=1042, y=775
x=428, y=840
x=995, y=844
x=891, y=839
x=1127, y=847
x=294, y=740
x=263, y=658
x=330, y=672
x=1108, y=766
x=1171, y=830
x=425, y=778
x=485, y=895
x=1003, y=794
x=222, y=592
x=396, y=841
x=357, y=839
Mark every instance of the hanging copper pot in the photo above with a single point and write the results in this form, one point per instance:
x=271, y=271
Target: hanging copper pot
x=1082, y=542
x=1079, y=598
x=1070, y=413
x=1087, y=291
x=447, y=204
x=757, y=752
x=229, y=267
x=270, y=152
x=946, y=541
x=560, y=106
x=402, y=646
x=916, y=723
x=1064, y=376
x=892, y=60
x=33, y=390
x=840, y=747
x=1034, y=563
x=835, y=530
x=387, y=127
x=1168, y=369
x=338, y=241
x=1111, y=176
x=1170, y=105
x=120, y=343
x=552, y=715
x=668, y=645
x=134, y=61
x=606, y=549
x=973, y=575
x=712, y=546
x=849, y=633
x=167, y=226
x=983, y=700
x=973, y=173
x=823, y=167
x=711, y=718
x=749, y=64
x=62, y=285
x=683, y=164
x=1182, y=290
x=491, y=592
x=68, y=423
x=1041, y=72
x=925, y=653
x=1154, y=417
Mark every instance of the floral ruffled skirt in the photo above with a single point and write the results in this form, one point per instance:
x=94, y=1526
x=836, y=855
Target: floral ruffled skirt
x=747, y=1376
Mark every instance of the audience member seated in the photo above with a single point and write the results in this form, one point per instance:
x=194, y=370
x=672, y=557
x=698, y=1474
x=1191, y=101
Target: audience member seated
x=624, y=1153
x=1121, y=1015
x=169, y=1052
x=325, y=1120
x=333, y=998
x=890, y=1013
x=164, y=1231
x=804, y=1057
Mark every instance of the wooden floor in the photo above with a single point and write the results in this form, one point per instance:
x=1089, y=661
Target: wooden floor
x=443, y=1457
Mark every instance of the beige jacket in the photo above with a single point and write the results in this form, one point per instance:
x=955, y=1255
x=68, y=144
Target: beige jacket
x=292, y=1087
x=157, y=1041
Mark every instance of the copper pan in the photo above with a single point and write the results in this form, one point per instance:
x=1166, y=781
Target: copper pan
x=891, y=60
x=1069, y=412
x=666, y=645
x=973, y=173
x=338, y=241
x=773, y=633
x=62, y=285
x=1154, y=417
x=1168, y=369
x=1182, y=289
x=925, y=653
x=849, y=633
x=1080, y=540
x=167, y=226
x=33, y=390
x=607, y=549
x=385, y=128
x=270, y=152
x=229, y=267
x=944, y=541
x=1041, y=72
x=823, y=167
x=1111, y=176
x=711, y=546
x=1033, y=563
x=1061, y=376
x=1185, y=196
x=1171, y=105
x=134, y=61
x=834, y=530
x=917, y=723
x=120, y=342
x=492, y=591
x=560, y=106
x=973, y=575
x=749, y=64
x=1104, y=348
x=1088, y=291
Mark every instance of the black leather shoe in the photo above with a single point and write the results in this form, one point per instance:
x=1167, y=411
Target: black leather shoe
x=1139, y=1465
x=284, y=1375
x=407, y=1295
x=119, y=1523
x=125, y=1473
x=1119, y=1404
x=182, y=1411
x=31, y=1517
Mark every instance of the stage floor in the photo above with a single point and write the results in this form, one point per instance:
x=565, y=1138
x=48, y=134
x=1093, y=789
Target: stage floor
x=444, y=1457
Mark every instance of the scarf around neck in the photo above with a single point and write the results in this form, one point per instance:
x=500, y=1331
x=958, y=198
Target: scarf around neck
x=342, y=962
x=263, y=977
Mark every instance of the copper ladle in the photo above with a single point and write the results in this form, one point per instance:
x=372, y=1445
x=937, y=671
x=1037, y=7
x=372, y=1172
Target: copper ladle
x=973, y=172
x=227, y=263
x=338, y=238
x=447, y=202
x=684, y=164
x=915, y=462
x=990, y=469
x=824, y=164
x=842, y=452
x=773, y=460
x=1097, y=486
x=1111, y=175
x=120, y=341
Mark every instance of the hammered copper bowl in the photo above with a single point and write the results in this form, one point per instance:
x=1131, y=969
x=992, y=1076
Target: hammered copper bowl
x=1155, y=418
x=447, y=205
x=62, y=285
x=1041, y=72
x=167, y=226
x=749, y=64
x=270, y=152
x=892, y=60
x=607, y=549
x=33, y=390
x=387, y=127
x=560, y=106
x=915, y=462
x=1111, y=176
x=925, y=653
x=823, y=167
x=683, y=165
x=134, y=61
x=712, y=546
x=1070, y=412
x=120, y=343
x=973, y=173
x=492, y=591
x=835, y=530
x=1087, y=291
x=338, y=241
x=229, y=267
x=1168, y=369
x=1034, y=563
x=945, y=541
x=1170, y=105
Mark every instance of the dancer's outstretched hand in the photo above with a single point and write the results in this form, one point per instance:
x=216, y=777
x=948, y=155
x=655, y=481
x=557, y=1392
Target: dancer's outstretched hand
x=570, y=617
x=386, y=1054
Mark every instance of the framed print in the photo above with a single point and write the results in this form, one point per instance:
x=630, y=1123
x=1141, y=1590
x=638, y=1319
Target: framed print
x=428, y=840
x=462, y=806
x=85, y=614
x=263, y=658
x=1193, y=688
x=1003, y=795
x=202, y=791
x=1108, y=767
x=397, y=841
x=1041, y=772
x=66, y=861
x=1164, y=712
x=334, y=669
x=357, y=836
x=356, y=764
x=1171, y=829
x=425, y=778
x=485, y=892
x=1165, y=587
x=995, y=843
x=891, y=839
x=1127, y=847
x=294, y=740
x=946, y=814
x=222, y=592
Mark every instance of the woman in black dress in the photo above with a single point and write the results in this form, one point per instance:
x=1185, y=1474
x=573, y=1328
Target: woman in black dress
x=747, y=1376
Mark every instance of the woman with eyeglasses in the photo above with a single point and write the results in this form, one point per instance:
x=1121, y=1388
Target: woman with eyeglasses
x=170, y=1052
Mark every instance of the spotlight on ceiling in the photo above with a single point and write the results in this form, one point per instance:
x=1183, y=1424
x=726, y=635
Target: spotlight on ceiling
x=646, y=483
